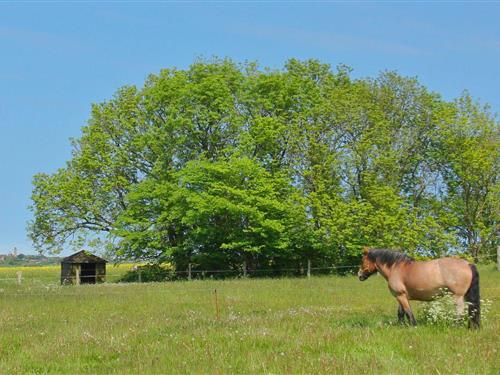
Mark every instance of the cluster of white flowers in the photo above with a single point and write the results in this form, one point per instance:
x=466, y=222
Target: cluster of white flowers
x=485, y=308
x=442, y=310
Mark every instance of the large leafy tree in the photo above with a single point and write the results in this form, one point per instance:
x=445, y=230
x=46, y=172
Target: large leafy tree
x=221, y=164
x=469, y=154
x=212, y=214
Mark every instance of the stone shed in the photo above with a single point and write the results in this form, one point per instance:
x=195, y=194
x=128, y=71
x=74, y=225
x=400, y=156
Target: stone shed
x=83, y=267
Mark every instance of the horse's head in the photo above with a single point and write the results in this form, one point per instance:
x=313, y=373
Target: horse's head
x=367, y=267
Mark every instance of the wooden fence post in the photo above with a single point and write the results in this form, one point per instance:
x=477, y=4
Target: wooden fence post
x=19, y=277
x=77, y=276
x=189, y=271
x=498, y=257
x=139, y=275
x=245, y=268
x=309, y=268
x=217, y=312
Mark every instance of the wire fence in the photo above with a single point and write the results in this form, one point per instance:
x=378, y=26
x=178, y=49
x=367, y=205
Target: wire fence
x=491, y=257
x=188, y=274
x=42, y=285
x=52, y=284
x=204, y=273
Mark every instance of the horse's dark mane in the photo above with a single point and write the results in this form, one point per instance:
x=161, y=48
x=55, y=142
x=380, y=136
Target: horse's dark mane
x=388, y=257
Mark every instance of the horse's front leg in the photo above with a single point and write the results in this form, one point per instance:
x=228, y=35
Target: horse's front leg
x=401, y=314
x=403, y=301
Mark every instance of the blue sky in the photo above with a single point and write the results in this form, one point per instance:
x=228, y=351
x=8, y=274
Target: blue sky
x=56, y=59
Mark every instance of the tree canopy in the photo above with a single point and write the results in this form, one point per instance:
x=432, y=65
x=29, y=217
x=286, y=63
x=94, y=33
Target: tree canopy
x=225, y=163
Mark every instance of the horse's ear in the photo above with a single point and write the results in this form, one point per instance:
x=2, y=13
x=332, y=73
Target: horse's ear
x=366, y=249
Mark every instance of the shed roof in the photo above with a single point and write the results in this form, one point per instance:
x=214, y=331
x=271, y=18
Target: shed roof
x=83, y=256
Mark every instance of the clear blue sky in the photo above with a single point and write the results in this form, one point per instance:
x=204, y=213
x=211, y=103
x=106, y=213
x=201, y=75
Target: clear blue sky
x=56, y=59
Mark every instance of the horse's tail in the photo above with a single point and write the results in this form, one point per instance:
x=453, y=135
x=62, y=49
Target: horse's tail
x=472, y=296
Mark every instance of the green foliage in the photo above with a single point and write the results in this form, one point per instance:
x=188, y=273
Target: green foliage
x=222, y=164
x=211, y=214
x=469, y=153
x=148, y=273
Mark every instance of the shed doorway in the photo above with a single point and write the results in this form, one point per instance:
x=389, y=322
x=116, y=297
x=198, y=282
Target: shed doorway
x=88, y=273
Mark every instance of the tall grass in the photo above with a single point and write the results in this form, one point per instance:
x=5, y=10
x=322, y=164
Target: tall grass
x=319, y=325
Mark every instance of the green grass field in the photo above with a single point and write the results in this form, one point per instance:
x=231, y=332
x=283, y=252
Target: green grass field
x=320, y=325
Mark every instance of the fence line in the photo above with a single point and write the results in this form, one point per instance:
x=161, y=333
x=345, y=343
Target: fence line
x=489, y=257
x=182, y=272
x=244, y=272
x=189, y=272
x=302, y=270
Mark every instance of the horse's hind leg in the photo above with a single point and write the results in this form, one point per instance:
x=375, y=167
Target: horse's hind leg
x=401, y=314
x=459, y=302
x=403, y=301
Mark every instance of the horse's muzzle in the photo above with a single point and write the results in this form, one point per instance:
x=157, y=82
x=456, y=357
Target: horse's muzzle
x=362, y=276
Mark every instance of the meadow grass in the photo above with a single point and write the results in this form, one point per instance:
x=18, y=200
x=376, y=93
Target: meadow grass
x=327, y=324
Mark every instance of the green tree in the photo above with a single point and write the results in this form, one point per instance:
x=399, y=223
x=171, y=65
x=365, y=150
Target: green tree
x=212, y=214
x=225, y=163
x=470, y=154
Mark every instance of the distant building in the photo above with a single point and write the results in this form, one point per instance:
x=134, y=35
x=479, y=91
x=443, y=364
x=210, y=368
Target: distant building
x=83, y=267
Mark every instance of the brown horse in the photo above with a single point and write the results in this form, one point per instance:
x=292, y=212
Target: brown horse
x=413, y=280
